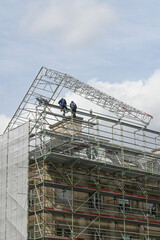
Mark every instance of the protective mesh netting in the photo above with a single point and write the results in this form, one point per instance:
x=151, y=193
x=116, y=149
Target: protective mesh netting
x=14, y=183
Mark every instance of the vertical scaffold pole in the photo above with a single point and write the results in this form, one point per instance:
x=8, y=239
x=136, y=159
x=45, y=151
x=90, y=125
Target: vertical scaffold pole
x=124, y=206
x=122, y=145
x=44, y=158
x=99, y=204
x=146, y=215
x=35, y=156
x=72, y=183
x=73, y=125
x=97, y=138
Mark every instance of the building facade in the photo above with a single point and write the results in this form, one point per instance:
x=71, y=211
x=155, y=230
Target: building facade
x=90, y=178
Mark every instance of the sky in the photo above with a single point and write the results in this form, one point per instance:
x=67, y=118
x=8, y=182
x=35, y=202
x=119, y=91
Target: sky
x=113, y=45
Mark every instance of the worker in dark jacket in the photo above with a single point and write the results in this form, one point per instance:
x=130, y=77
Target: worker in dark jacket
x=63, y=105
x=73, y=107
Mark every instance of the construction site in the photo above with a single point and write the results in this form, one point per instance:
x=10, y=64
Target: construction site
x=90, y=177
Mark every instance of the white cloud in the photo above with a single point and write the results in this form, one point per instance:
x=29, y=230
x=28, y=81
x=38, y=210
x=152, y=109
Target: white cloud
x=144, y=95
x=73, y=22
x=4, y=120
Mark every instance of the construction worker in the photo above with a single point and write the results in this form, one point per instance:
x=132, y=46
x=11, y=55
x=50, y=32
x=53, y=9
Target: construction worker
x=63, y=105
x=73, y=107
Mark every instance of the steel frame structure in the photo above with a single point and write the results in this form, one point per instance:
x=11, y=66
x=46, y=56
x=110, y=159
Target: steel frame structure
x=90, y=177
x=124, y=167
x=49, y=84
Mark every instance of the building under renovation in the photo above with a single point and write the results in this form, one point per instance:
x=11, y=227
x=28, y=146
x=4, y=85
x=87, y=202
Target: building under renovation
x=96, y=176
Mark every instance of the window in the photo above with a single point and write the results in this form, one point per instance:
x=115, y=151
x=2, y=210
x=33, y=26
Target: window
x=97, y=236
x=31, y=198
x=63, y=196
x=96, y=200
x=65, y=232
x=151, y=209
x=127, y=237
x=92, y=152
x=59, y=232
x=124, y=205
x=30, y=234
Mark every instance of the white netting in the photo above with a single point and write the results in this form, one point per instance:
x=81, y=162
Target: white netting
x=14, y=184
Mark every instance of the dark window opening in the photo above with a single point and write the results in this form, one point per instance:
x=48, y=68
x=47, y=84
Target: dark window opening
x=151, y=209
x=63, y=232
x=95, y=201
x=124, y=205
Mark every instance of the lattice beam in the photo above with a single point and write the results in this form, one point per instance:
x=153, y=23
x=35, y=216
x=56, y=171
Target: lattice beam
x=49, y=83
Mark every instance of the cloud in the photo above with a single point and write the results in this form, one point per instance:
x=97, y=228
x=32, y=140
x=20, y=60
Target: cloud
x=72, y=22
x=4, y=120
x=144, y=95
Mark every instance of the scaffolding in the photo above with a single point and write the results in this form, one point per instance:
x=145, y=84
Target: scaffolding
x=92, y=177
x=95, y=176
